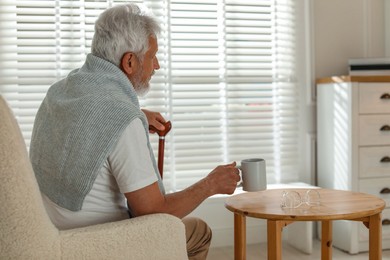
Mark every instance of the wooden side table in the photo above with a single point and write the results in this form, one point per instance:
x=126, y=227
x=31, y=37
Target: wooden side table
x=335, y=205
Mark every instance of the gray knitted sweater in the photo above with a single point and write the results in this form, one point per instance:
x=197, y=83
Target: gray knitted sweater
x=77, y=126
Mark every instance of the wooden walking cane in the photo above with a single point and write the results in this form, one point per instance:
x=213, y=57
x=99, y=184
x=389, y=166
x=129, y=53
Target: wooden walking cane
x=161, y=144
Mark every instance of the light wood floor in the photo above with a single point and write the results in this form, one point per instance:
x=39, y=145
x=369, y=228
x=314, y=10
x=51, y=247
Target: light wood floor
x=259, y=251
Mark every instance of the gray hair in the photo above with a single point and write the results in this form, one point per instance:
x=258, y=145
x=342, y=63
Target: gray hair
x=121, y=29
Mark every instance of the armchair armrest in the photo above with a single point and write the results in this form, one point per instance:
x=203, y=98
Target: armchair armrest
x=155, y=236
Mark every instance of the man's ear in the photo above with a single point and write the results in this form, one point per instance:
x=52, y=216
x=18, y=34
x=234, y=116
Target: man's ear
x=128, y=63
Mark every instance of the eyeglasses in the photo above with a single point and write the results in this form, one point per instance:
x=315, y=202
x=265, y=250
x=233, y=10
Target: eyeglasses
x=292, y=199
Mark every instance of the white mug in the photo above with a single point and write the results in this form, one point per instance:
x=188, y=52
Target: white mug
x=254, y=175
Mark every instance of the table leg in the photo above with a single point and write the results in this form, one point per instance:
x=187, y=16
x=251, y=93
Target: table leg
x=375, y=237
x=239, y=237
x=274, y=237
x=326, y=240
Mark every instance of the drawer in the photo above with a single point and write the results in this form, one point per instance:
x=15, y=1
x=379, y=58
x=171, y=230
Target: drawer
x=372, y=130
x=374, y=98
x=374, y=161
x=379, y=187
x=363, y=231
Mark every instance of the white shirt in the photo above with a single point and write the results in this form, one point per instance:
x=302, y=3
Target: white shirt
x=127, y=168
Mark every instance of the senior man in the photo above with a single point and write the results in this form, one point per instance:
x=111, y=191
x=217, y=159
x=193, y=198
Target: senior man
x=90, y=149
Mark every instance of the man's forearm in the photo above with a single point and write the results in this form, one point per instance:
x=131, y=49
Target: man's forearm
x=183, y=202
x=148, y=200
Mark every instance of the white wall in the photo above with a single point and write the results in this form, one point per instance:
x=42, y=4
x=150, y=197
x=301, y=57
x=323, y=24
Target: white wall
x=387, y=27
x=346, y=29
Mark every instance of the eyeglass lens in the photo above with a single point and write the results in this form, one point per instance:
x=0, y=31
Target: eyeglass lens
x=292, y=199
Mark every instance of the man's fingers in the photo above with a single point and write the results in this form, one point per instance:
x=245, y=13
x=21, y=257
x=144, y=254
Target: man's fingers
x=159, y=125
x=233, y=164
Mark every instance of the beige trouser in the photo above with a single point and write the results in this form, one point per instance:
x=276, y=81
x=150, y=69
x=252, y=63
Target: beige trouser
x=198, y=235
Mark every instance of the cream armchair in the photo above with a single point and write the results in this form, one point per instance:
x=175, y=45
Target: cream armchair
x=26, y=231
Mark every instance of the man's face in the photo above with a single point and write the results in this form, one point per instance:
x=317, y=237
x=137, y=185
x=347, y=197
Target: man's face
x=145, y=68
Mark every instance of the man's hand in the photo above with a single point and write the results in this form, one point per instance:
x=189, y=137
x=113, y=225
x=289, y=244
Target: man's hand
x=223, y=179
x=154, y=119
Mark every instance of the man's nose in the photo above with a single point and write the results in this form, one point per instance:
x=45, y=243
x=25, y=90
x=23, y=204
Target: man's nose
x=156, y=64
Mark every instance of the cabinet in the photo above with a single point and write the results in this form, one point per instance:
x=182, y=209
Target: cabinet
x=353, y=147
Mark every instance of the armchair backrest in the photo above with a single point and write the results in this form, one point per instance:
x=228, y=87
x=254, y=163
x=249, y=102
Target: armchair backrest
x=26, y=231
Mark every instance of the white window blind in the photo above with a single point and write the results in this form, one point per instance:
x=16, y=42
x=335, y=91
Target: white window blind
x=227, y=79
